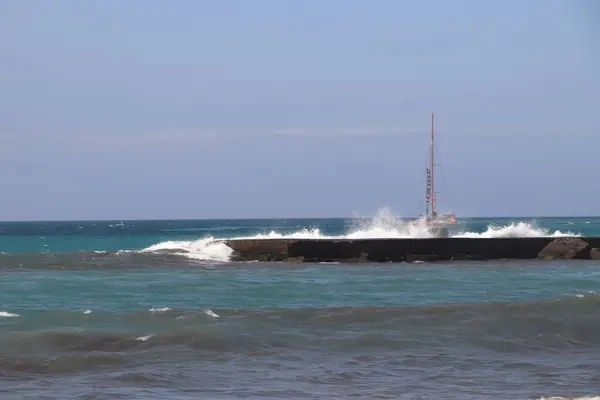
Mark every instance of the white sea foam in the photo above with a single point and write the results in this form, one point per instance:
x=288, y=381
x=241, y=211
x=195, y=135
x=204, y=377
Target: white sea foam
x=143, y=338
x=570, y=398
x=5, y=314
x=87, y=312
x=582, y=295
x=383, y=225
x=514, y=230
x=211, y=313
x=201, y=249
x=163, y=309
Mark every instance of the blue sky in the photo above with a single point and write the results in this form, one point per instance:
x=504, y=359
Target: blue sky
x=216, y=109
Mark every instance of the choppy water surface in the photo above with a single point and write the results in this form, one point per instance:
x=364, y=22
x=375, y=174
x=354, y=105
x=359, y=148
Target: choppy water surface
x=103, y=315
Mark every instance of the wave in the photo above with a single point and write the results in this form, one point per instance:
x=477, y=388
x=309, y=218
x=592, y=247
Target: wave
x=212, y=249
x=565, y=308
x=107, y=259
x=560, y=325
x=570, y=398
x=383, y=226
x=202, y=249
x=514, y=230
x=4, y=314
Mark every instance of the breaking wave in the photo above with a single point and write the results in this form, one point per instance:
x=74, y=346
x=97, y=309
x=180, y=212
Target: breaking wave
x=5, y=314
x=384, y=225
x=514, y=230
x=212, y=249
x=201, y=249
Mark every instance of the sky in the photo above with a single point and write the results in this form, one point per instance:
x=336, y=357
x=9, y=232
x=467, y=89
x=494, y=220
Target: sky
x=255, y=109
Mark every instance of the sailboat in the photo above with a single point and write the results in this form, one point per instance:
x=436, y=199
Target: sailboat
x=436, y=222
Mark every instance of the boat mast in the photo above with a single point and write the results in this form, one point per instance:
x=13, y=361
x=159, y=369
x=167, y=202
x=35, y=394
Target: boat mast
x=430, y=189
x=432, y=169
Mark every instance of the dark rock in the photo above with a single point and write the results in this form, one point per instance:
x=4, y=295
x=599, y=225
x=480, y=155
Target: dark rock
x=364, y=257
x=421, y=257
x=407, y=250
x=467, y=257
x=261, y=257
x=563, y=249
x=280, y=257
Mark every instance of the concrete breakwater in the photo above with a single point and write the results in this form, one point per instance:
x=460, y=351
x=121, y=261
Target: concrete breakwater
x=399, y=250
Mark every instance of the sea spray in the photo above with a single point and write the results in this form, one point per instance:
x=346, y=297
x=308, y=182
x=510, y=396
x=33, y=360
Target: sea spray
x=5, y=314
x=513, y=230
x=384, y=225
x=201, y=249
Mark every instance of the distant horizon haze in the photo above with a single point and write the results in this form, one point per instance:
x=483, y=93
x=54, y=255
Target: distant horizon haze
x=513, y=218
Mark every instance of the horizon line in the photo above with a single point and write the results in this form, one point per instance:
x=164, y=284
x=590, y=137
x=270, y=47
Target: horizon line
x=279, y=218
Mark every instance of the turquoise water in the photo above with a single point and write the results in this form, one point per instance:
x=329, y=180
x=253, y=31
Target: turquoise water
x=135, y=235
x=81, y=319
x=265, y=286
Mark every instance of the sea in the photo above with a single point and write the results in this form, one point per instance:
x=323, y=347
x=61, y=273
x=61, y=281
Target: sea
x=156, y=310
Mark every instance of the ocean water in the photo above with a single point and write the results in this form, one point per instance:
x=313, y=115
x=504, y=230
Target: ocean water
x=154, y=310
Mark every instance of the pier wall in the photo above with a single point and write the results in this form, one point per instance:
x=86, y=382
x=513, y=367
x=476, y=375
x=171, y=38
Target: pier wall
x=398, y=250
